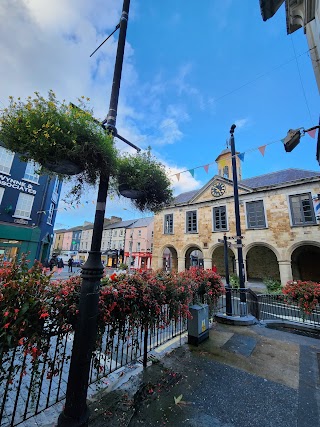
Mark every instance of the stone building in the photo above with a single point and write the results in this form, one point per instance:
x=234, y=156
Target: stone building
x=279, y=223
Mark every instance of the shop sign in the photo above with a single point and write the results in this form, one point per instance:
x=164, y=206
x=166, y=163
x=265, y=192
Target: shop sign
x=17, y=185
x=20, y=221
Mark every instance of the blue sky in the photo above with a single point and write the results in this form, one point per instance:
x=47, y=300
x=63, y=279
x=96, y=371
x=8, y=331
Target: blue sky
x=191, y=70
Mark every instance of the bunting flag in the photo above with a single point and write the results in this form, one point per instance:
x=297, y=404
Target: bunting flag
x=241, y=156
x=206, y=168
x=312, y=133
x=262, y=149
x=191, y=172
x=282, y=140
x=178, y=176
x=222, y=163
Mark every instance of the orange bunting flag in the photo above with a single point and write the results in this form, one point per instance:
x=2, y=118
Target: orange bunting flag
x=178, y=176
x=262, y=149
x=206, y=168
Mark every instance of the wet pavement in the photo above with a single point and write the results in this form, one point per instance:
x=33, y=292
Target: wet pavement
x=242, y=376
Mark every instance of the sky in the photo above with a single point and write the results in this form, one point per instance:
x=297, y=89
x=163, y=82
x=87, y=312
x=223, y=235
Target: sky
x=191, y=70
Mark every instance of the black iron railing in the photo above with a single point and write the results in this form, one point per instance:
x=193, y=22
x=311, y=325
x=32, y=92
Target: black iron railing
x=27, y=388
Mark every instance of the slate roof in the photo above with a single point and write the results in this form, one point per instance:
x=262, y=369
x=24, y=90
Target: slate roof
x=279, y=177
x=120, y=224
x=185, y=197
x=274, y=178
x=142, y=222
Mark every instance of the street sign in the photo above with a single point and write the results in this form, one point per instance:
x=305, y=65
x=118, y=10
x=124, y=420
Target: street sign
x=237, y=237
x=220, y=240
x=237, y=246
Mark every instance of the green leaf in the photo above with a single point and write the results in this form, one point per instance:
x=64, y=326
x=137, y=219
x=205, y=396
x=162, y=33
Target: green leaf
x=178, y=399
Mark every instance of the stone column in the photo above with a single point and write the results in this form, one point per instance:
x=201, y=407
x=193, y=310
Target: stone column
x=207, y=263
x=181, y=264
x=245, y=269
x=285, y=271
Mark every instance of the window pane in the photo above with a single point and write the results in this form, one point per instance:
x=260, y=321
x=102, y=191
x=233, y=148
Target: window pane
x=168, y=224
x=1, y=193
x=30, y=173
x=255, y=214
x=191, y=222
x=24, y=205
x=219, y=218
x=302, y=210
x=6, y=158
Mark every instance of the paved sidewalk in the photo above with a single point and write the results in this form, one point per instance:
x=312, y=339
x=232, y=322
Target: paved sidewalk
x=241, y=377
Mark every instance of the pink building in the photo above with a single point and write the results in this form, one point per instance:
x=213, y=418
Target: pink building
x=138, y=244
x=67, y=241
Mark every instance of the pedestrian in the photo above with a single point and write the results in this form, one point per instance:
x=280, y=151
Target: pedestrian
x=60, y=265
x=70, y=264
x=52, y=263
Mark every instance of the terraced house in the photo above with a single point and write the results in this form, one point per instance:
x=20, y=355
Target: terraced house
x=279, y=214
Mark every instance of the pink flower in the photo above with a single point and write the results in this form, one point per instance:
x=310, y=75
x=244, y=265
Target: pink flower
x=6, y=313
x=44, y=315
x=6, y=326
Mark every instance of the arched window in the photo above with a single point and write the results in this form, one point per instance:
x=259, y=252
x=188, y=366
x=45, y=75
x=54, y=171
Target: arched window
x=226, y=172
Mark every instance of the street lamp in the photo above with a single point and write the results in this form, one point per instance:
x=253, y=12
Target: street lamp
x=243, y=308
x=76, y=413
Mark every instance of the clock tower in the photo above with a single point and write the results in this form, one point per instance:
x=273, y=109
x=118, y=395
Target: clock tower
x=224, y=162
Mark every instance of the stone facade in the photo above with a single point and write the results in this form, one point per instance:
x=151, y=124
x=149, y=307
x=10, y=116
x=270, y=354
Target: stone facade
x=276, y=247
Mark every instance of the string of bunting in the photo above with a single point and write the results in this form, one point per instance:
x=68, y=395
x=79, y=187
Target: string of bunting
x=70, y=207
x=261, y=148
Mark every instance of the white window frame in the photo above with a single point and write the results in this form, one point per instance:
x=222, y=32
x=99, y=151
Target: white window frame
x=6, y=159
x=55, y=192
x=50, y=214
x=1, y=193
x=29, y=173
x=24, y=200
x=138, y=247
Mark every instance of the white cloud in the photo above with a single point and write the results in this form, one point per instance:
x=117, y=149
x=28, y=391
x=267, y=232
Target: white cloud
x=240, y=123
x=186, y=181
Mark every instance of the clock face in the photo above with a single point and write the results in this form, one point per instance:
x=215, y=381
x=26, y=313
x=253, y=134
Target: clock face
x=218, y=189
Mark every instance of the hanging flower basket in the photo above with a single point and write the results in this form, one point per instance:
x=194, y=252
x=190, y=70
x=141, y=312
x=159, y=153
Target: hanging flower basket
x=63, y=139
x=144, y=180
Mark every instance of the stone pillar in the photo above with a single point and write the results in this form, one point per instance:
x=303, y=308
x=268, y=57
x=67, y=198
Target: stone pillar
x=207, y=263
x=285, y=271
x=245, y=269
x=181, y=264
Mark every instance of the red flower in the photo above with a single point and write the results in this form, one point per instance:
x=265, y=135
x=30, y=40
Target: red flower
x=6, y=326
x=44, y=315
x=6, y=314
x=113, y=276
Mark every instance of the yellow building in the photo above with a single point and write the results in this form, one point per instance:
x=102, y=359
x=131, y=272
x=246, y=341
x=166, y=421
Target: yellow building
x=279, y=223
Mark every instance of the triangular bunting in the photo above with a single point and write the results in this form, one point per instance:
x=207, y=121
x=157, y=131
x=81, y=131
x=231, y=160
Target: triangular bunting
x=241, y=156
x=262, y=149
x=178, y=176
x=282, y=140
x=312, y=133
x=206, y=168
x=191, y=172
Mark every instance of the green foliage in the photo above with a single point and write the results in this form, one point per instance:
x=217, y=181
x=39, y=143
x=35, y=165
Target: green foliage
x=123, y=266
x=144, y=173
x=50, y=132
x=234, y=280
x=273, y=286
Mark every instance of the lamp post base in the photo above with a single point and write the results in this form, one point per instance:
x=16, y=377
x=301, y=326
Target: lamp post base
x=65, y=421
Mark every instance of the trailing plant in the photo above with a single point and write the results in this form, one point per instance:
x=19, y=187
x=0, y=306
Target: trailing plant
x=143, y=178
x=273, y=286
x=62, y=138
x=305, y=294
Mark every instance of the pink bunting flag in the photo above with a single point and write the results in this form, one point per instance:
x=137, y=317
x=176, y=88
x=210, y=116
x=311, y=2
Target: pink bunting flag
x=312, y=133
x=262, y=149
x=178, y=176
x=206, y=167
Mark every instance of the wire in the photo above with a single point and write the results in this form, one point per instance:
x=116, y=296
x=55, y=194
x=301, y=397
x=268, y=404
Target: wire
x=303, y=91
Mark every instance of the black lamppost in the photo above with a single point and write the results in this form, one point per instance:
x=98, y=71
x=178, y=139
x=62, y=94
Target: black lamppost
x=238, y=226
x=76, y=413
